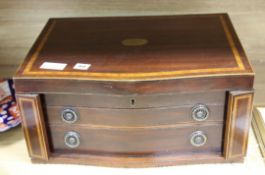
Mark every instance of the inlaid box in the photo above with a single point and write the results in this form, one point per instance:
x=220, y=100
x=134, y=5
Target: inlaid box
x=136, y=91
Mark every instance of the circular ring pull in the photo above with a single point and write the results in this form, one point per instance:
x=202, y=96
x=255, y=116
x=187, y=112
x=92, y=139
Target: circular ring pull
x=198, y=139
x=72, y=139
x=69, y=116
x=200, y=112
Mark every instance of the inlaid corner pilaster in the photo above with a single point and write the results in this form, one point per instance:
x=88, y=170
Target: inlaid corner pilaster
x=238, y=121
x=33, y=125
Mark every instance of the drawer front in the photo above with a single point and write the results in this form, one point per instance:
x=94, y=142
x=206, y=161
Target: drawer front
x=133, y=117
x=149, y=140
x=134, y=101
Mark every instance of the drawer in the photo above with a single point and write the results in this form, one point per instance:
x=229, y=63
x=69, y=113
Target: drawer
x=134, y=101
x=148, y=140
x=133, y=117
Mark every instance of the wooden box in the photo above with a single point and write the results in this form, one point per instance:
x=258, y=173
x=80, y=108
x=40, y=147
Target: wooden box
x=136, y=91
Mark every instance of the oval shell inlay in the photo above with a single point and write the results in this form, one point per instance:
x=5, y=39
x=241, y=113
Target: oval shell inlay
x=134, y=42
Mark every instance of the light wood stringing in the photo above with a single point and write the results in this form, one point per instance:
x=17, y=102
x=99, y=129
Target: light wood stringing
x=41, y=130
x=232, y=119
x=140, y=76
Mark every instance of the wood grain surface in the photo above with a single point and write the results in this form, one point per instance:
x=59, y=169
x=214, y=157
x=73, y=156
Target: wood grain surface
x=55, y=86
x=134, y=117
x=13, y=140
x=33, y=126
x=174, y=47
x=140, y=101
x=137, y=141
x=22, y=20
x=238, y=121
x=124, y=95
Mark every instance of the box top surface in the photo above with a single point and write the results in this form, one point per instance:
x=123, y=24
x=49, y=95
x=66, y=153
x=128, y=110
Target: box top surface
x=136, y=49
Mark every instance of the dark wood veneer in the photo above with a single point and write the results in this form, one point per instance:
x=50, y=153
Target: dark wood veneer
x=136, y=100
x=134, y=117
x=133, y=141
x=140, y=101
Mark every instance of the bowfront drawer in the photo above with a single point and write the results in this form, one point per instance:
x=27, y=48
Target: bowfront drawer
x=142, y=124
x=179, y=139
x=134, y=101
x=198, y=113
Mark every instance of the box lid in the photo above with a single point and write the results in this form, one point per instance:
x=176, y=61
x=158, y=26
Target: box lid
x=136, y=49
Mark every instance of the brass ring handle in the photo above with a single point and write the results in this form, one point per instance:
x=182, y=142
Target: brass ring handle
x=200, y=112
x=198, y=139
x=72, y=139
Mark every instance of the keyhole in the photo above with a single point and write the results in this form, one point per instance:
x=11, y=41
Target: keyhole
x=132, y=101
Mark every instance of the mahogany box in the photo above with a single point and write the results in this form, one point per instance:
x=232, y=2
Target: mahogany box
x=136, y=91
